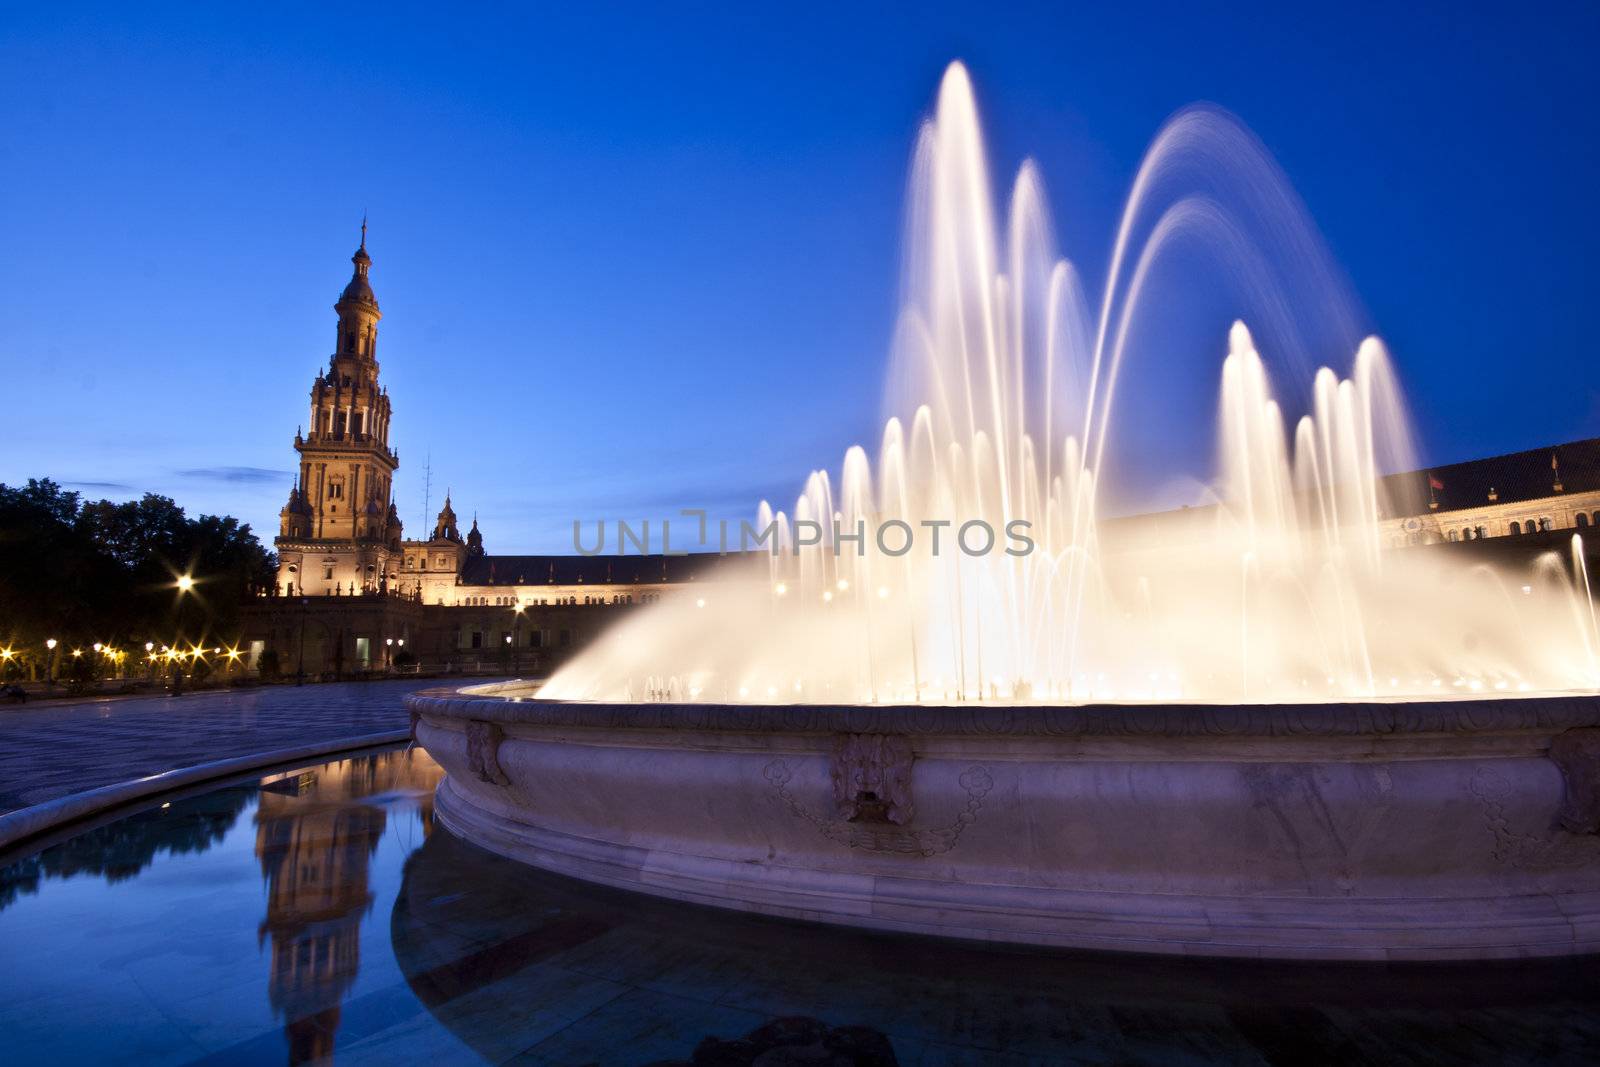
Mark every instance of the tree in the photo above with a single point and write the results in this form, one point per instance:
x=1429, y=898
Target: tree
x=107, y=571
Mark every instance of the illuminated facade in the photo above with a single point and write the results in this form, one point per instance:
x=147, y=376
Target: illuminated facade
x=351, y=593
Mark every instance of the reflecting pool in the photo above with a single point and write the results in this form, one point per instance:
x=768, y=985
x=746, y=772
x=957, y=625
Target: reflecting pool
x=318, y=914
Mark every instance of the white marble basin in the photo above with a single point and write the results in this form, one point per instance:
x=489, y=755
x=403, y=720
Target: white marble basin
x=1453, y=829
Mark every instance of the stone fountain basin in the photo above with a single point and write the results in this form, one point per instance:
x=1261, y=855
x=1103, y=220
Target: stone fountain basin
x=1456, y=829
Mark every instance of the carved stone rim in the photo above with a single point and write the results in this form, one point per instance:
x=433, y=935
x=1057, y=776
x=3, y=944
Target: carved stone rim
x=1542, y=714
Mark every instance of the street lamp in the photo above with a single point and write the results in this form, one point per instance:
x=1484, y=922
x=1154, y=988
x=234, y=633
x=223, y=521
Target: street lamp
x=300, y=669
x=388, y=654
x=50, y=669
x=185, y=583
x=516, y=644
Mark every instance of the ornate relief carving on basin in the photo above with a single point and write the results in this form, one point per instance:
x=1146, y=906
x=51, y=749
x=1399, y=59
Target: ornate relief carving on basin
x=1431, y=831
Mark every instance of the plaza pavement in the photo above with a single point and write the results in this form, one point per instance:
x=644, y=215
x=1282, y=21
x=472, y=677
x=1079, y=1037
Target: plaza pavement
x=52, y=750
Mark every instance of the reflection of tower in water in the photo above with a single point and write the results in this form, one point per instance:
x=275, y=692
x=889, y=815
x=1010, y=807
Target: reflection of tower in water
x=315, y=839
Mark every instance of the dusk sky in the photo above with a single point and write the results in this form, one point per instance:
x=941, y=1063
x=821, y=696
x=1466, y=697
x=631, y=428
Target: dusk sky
x=644, y=260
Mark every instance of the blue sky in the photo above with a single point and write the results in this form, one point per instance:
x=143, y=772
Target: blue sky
x=637, y=259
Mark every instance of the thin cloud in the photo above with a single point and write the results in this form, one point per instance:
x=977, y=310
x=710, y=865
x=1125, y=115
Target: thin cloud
x=236, y=475
x=103, y=487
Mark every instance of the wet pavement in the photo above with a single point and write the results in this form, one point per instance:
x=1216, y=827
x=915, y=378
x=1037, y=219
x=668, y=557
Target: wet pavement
x=321, y=915
x=48, y=750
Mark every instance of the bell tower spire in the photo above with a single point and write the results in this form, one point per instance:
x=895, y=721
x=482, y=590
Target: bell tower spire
x=340, y=531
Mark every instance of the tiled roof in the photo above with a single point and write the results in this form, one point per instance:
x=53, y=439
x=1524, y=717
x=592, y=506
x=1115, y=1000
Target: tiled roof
x=592, y=570
x=1513, y=477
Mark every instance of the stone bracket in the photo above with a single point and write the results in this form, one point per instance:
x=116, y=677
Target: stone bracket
x=1577, y=753
x=871, y=776
x=483, y=751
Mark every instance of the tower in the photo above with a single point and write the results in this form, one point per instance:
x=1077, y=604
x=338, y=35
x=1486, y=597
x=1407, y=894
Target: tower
x=339, y=531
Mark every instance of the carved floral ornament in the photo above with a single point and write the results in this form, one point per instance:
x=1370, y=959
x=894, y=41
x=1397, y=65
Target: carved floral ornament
x=871, y=775
x=1577, y=753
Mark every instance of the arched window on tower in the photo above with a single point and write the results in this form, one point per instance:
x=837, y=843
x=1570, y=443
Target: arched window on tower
x=1516, y=527
x=1583, y=520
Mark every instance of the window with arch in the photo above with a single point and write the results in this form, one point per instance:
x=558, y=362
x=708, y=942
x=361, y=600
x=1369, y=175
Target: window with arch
x=1453, y=536
x=1546, y=523
x=1516, y=527
x=1583, y=520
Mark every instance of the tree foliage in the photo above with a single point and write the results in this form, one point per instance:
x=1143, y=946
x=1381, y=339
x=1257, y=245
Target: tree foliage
x=103, y=571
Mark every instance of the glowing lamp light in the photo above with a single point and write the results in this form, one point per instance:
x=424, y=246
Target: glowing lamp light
x=781, y=588
x=185, y=583
x=149, y=646
x=843, y=584
x=98, y=646
x=700, y=603
x=883, y=592
x=76, y=653
x=51, y=644
x=827, y=596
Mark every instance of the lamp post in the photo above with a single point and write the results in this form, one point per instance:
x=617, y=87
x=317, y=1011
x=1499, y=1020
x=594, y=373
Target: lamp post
x=300, y=669
x=516, y=643
x=150, y=654
x=50, y=668
x=388, y=654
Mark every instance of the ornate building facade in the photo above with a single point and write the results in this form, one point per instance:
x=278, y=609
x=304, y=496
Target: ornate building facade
x=352, y=593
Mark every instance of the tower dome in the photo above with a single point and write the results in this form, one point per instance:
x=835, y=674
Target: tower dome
x=359, y=291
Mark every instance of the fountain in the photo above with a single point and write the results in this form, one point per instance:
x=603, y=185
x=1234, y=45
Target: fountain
x=960, y=700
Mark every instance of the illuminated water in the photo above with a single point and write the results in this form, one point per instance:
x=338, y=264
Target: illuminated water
x=1006, y=393
x=321, y=913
